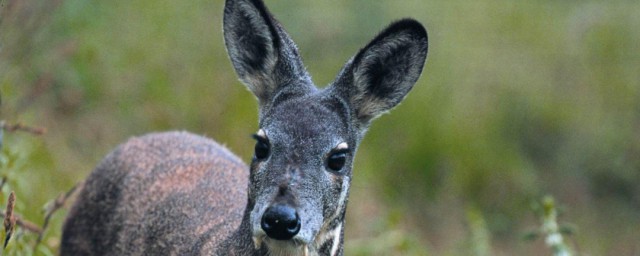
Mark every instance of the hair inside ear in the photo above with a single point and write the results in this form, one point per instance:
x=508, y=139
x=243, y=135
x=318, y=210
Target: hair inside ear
x=263, y=55
x=385, y=70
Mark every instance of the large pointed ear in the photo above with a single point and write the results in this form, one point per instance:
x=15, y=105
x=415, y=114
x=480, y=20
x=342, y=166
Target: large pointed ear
x=382, y=73
x=263, y=55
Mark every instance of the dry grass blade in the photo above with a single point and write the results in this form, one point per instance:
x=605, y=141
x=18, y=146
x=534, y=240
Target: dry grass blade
x=27, y=225
x=53, y=207
x=21, y=127
x=9, y=219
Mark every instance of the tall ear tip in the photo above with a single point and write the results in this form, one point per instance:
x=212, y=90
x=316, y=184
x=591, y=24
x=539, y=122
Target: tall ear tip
x=408, y=27
x=411, y=26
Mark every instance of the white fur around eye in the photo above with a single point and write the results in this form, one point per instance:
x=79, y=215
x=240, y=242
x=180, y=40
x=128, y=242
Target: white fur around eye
x=342, y=146
x=261, y=133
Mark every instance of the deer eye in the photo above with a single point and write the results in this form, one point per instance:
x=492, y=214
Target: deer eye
x=262, y=148
x=336, y=160
x=338, y=157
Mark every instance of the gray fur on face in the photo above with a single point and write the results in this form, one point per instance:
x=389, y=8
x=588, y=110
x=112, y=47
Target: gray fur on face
x=181, y=194
x=302, y=133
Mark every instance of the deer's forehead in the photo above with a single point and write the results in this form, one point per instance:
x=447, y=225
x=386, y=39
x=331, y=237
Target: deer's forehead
x=305, y=119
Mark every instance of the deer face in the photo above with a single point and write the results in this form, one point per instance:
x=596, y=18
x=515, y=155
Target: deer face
x=301, y=172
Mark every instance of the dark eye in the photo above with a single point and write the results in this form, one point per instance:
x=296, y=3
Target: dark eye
x=336, y=160
x=262, y=148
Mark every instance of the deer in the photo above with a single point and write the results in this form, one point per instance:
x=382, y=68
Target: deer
x=177, y=193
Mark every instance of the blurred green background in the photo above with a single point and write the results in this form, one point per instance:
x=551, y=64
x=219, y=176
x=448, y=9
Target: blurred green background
x=519, y=99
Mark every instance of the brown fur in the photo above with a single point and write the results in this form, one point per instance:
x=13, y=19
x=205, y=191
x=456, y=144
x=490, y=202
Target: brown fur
x=132, y=199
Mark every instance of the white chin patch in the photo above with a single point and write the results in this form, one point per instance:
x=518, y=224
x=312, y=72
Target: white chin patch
x=286, y=248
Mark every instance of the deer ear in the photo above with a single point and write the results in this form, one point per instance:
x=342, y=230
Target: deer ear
x=263, y=55
x=382, y=73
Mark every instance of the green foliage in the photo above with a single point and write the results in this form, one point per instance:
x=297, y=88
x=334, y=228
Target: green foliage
x=480, y=238
x=387, y=238
x=393, y=242
x=553, y=232
x=12, y=166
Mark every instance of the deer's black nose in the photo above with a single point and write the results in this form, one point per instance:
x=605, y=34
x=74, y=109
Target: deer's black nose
x=280, y=222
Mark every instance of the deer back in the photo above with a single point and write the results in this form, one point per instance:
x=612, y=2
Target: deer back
x=159, y=193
